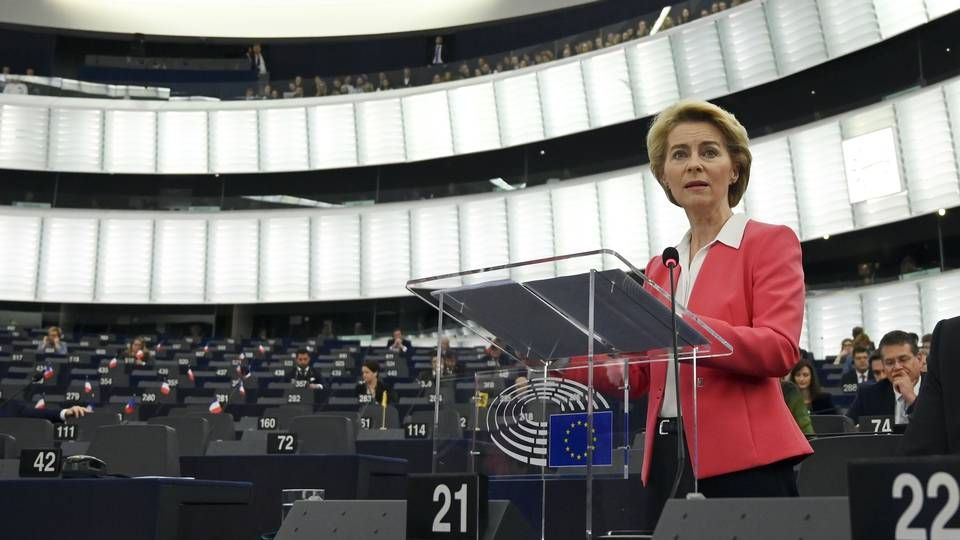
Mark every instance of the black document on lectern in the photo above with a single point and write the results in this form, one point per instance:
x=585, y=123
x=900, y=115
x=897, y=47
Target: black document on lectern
x=548, y=318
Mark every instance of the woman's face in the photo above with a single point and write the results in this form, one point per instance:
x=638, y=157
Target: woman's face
x=802, y=378
x=368, y=376
x=698, y=169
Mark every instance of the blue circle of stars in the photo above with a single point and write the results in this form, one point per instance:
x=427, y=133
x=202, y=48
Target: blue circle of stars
x=574, y=427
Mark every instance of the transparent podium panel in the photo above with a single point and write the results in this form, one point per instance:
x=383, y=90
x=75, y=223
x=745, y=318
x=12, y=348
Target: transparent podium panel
x=548, y=399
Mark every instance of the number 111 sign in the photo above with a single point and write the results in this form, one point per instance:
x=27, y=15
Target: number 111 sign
x=448, y=506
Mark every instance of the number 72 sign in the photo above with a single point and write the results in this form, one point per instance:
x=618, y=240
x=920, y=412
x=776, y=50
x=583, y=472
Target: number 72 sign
x=448, y=506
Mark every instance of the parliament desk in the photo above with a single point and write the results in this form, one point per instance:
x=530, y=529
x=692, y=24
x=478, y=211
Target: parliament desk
x=341, y=476
x=127, y=508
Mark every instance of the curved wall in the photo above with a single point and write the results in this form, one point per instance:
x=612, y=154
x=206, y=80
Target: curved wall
x=263, y=20
x=760, y=41
x=818, y=179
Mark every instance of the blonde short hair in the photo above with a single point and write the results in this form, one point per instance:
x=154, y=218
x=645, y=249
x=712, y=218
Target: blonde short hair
x=689, y=110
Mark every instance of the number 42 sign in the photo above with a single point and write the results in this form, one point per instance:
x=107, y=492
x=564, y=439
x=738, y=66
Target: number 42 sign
x=905, y=498
x=448, y=506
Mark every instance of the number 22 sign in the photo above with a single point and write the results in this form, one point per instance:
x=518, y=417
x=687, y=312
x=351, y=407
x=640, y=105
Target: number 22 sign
x=905, y=498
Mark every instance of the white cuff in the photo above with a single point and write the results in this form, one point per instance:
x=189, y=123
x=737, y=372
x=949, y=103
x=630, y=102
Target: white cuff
x=63, y=414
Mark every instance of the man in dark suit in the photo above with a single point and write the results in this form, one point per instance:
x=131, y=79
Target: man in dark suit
x=894, y=396
x=21, y=409
x=860, y=372
x=399, y=346
x=303, y=371
x=935, y=424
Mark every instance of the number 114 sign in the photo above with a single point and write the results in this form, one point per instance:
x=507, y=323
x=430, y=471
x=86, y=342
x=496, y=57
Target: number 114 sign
x=905, y=498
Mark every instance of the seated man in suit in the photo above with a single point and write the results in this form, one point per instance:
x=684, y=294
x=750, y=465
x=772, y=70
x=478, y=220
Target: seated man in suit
x=303, y=371
x=860, y=373
x=21, y=409
x=399, y=346
x=895, y=395
x=935, y=424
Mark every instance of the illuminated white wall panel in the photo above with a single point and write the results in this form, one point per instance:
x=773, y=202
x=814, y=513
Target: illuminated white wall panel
x=771, y=195
x=179, y=261
x=938, y=8
x=700, y=70
x=233, y=260
x=333, y=136
x=848, y=25
x=473, y=114
x=892, y=307
x=896, y=16
x=821, y=186
x=234, y=141
x=563, y=99
x=68, y=258
x=518, y=109
x=435, y=242
x=747, y=47
x=380, y=131
x=623, y=218
x=130, y=142
x=576, y=227
x=285, y=259
x=335, y=256
x=385, y=252
x=426, y=126
x=797, y=35
x=927, y=147
x=182, y=142
x=125, y=260
x=940, y=298
x=653, y=75
x=75, y=139
x=483, y=237
x=23, y=137
x=19, y=242
x=609, y=98
x=830, y=318
x=283, y=140
x=530, y=226
x=666, y=222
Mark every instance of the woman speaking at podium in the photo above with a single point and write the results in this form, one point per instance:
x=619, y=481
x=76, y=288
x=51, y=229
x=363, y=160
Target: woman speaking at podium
x=744, y=279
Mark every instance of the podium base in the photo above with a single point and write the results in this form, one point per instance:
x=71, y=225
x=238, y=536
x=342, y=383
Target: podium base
x=755, y=519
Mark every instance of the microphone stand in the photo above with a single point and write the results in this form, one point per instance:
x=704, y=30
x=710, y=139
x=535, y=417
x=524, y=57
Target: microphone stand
x=670, y=260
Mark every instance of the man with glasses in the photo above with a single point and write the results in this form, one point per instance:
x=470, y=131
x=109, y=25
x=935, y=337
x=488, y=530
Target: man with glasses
x=896, y=394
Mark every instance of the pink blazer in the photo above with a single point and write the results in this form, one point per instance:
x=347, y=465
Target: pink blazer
x=753, y=297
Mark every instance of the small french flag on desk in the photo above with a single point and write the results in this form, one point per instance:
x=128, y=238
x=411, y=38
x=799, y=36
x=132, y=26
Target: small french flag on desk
x=165, y=388
x=48, y=373
x=87, y=387
x=130, y=407
x=113, y=363
x=261, y=348
x=215, y=407
x=40, y=404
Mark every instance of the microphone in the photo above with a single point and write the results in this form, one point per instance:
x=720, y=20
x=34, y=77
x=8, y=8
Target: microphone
x=671, y=259
x=37, y=377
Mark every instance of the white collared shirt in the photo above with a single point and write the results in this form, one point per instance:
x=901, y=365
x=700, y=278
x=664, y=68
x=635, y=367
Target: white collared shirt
x=730, y=234
x=900, y=411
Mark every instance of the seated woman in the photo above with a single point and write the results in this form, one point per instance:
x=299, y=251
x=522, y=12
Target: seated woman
x=53, y=342
x=805, y=377
x=370, y=387
x=137, y=349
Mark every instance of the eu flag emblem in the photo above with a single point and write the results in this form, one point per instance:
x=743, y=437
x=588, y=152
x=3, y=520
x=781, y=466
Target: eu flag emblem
x=568, y=439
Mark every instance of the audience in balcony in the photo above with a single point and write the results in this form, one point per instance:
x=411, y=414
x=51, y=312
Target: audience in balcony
x=53, y=342
x=438, y=51
x=804, y=375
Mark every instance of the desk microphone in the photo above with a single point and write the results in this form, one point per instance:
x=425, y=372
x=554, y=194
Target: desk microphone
x=671, y=259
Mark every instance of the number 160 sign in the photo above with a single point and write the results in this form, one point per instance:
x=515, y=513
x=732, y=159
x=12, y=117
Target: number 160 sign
x=905, y=498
